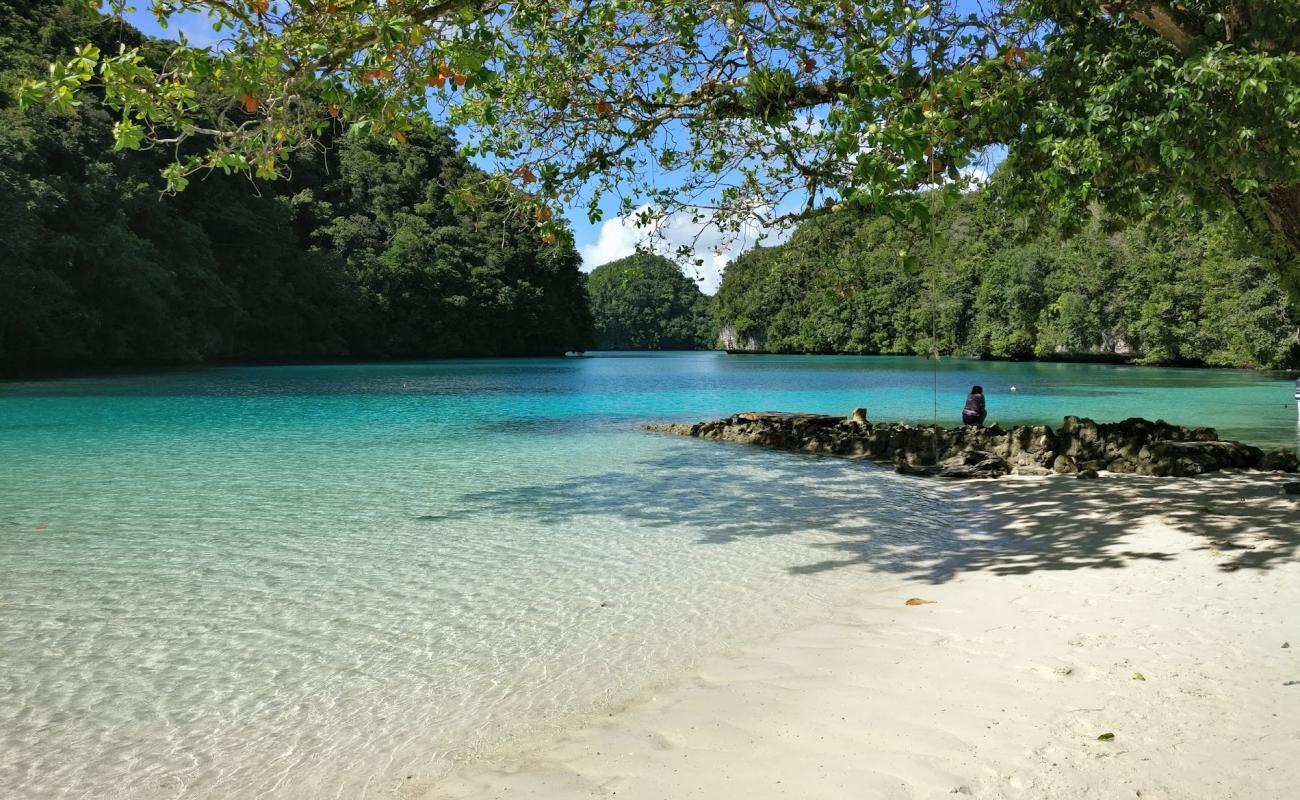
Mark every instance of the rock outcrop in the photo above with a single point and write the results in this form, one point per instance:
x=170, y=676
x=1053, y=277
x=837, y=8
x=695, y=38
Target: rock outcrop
x=731, y=341
x=1136, y=446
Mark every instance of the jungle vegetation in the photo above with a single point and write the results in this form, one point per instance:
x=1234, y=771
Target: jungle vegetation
x=1179, y=288
x=359, y=253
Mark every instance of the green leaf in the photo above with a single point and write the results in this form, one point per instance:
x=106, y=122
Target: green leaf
x=127, y=136
x=1106, y=737
x=174, y=175
x=30, y=93
x=1138, y=676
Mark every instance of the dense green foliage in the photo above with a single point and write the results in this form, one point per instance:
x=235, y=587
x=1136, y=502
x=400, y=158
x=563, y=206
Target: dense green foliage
x=736, y=107
x=359, y=254
x=643, y=302
x=1185, y=290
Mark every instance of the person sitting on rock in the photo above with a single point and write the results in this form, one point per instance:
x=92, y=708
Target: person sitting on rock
x=974, y=412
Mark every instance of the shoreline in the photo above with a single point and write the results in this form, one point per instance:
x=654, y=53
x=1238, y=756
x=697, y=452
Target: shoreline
x=1154, y=609
x=1084, y=359
x=14, y=372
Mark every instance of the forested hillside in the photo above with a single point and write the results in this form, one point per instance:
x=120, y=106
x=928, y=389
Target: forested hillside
x=643, y=302
x=360, y=254
x=1178, y=291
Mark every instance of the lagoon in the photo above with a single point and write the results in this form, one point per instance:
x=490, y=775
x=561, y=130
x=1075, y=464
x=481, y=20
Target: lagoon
x=313, y=581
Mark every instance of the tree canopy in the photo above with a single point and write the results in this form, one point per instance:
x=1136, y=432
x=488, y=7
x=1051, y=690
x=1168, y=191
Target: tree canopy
x=1187, y=289
x=360, y=252
x=644, y=302
x=740, y=107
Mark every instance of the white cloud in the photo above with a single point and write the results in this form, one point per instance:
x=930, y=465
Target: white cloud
x=619, y=237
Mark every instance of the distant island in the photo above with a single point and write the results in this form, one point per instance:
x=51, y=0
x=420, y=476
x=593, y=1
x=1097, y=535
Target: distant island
x=644, y=302
x=1183, y=289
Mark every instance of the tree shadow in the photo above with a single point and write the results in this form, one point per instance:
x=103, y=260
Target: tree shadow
x=1017, y=527
x=1062, y=523
x=865, y=516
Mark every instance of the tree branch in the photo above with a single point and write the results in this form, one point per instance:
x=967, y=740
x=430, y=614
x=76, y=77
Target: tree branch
x=1159, y=17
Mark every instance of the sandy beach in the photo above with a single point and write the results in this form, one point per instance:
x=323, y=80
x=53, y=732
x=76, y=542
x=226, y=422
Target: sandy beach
x=1120, y=637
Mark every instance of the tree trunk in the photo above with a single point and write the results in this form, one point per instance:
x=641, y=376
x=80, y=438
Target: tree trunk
x=1281, y=206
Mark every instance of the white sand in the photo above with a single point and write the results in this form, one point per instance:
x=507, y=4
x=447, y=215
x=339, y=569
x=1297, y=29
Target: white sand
x=1000, y=688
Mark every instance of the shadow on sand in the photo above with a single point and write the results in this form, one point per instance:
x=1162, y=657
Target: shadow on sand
x=865, y=516
x=1064, y=523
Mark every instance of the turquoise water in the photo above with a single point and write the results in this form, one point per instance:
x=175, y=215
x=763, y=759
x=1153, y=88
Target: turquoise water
x=327, y=581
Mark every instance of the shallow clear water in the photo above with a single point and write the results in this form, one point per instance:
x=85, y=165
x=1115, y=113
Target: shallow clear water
x=317, y=581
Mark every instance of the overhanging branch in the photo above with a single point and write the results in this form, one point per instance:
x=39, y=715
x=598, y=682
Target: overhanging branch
x=1169, y=24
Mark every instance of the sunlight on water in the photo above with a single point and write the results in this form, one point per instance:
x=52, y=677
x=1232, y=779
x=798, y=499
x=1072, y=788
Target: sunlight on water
x=318, y=581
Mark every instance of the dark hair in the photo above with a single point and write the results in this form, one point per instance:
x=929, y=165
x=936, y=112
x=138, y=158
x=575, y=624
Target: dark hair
x=977, y=390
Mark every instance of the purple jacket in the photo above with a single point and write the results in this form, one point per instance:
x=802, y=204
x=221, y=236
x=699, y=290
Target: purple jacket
x=974, y=407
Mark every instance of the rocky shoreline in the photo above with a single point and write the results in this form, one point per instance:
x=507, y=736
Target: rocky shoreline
x=1079, y=447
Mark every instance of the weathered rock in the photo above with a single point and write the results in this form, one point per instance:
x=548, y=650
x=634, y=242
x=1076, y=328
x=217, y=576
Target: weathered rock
x=675, y=428
x=1031, y=470
x=1181, y=459
x=1280, y=460
x=733, y=342
x=974, y=464
x=924, y=472
x=1087, y=474
x=1080, y=445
